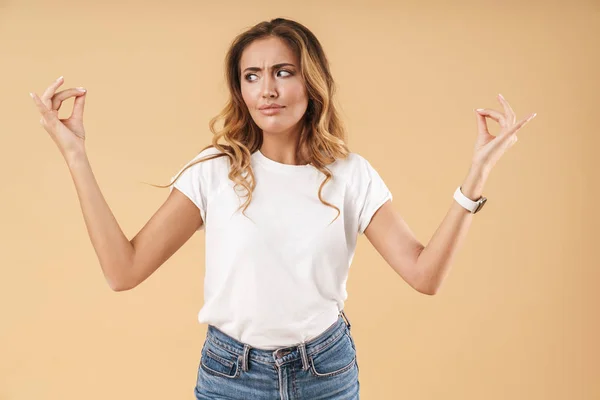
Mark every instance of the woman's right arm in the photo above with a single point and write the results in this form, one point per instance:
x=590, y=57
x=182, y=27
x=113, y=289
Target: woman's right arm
x=126, y=263
x=114, y=251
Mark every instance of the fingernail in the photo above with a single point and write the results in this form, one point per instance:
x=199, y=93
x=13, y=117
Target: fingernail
x=81, y=89
x=502, y=97
x=59, y=78
x=31, y=94
x=479, y=109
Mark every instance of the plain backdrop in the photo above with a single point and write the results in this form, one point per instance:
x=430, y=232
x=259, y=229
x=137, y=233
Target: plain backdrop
x=517, y=317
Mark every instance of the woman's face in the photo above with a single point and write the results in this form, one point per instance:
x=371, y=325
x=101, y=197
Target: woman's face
x=262, y=85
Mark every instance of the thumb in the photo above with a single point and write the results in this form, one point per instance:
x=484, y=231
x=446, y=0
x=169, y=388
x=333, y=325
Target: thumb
x=78, y=107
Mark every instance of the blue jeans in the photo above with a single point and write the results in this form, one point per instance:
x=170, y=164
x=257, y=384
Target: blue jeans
x=324, y=367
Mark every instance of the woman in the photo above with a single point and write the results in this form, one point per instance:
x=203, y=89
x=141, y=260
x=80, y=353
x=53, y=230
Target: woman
x=276, y=264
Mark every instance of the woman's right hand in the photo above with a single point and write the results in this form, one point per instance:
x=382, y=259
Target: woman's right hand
x=69, y=133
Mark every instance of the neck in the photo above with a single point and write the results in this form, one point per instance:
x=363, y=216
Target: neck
x=283, y=148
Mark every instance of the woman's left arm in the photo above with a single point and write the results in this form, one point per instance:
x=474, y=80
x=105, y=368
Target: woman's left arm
x=425, y=267
x=435, y=259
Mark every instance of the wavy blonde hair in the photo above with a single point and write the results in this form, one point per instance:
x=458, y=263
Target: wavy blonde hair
x=322, y=135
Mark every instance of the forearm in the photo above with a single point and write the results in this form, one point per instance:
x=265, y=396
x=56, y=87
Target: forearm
x=113, y=249
x=435, y=259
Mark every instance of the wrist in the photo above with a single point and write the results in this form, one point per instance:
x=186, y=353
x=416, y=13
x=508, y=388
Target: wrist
x=472, y=186
x=74, y=157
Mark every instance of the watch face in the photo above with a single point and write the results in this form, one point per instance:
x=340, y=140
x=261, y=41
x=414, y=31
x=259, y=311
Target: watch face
x=480, y=204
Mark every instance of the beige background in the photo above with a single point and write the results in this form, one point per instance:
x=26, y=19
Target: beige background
x=517, y=318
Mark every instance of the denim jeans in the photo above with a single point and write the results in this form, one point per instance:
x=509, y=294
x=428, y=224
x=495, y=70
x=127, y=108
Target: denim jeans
x=324, y=367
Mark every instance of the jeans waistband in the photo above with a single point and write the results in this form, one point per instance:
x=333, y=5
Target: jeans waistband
x=282, y=354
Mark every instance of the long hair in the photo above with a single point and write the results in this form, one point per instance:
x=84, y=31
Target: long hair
x=323, y=135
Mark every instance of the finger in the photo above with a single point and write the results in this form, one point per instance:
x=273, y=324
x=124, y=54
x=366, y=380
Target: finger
x=59, y=97
x=520, y=124
x=493, y=114
x=482, y=124
x=40, y=104
x=508, y=112
x=78, y=107
x=49, y=92
x=48, y=117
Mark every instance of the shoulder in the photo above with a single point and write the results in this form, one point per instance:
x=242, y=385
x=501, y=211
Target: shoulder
x=207, y=160
x=349, y=171
x=203, y=167
x=356, y=172
x=207, y=152
x=351, y=167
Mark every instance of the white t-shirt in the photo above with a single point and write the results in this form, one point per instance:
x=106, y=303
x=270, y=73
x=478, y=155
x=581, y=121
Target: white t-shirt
x=279, y=278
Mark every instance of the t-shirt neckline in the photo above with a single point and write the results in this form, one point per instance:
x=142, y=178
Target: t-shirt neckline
x=279, y=166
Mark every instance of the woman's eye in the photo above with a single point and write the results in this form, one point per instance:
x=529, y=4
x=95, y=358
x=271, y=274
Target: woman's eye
x=247, y=76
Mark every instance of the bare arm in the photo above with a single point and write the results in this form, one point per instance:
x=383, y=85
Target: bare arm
x=424, y=267
x=436, y=258
x=113, y=249
x=127, y=263
x=124, y=263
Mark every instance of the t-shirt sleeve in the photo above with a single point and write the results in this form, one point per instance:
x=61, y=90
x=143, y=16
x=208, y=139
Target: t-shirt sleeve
x=193, y=184
x=371, y=193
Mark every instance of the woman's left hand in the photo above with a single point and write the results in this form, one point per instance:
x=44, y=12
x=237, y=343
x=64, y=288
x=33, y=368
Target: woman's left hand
x=488, y=148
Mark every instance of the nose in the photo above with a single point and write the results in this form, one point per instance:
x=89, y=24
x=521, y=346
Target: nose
x=268, y=89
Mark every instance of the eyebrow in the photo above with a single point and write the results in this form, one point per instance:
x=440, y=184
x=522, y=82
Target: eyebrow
x=275, y=66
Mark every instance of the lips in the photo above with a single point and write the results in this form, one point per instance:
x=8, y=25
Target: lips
x=271, y=110
x=270, y=106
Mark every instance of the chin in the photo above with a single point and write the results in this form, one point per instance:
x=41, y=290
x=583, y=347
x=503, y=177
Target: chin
x=273, y=126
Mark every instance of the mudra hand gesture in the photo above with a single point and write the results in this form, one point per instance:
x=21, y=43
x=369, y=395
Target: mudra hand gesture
x=488, y=148
x=68, y=134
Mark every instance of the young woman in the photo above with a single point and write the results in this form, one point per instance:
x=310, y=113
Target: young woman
x=276, y=263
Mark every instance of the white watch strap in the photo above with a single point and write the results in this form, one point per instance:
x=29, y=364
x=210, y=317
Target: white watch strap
x=464, y=200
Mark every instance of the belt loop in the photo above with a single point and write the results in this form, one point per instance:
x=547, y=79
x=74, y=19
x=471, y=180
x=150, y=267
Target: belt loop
x=345, y=318
x=245, y=357
x=302, y=349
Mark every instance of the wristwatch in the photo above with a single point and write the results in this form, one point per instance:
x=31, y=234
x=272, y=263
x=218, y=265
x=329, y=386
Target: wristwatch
x=472, y=206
